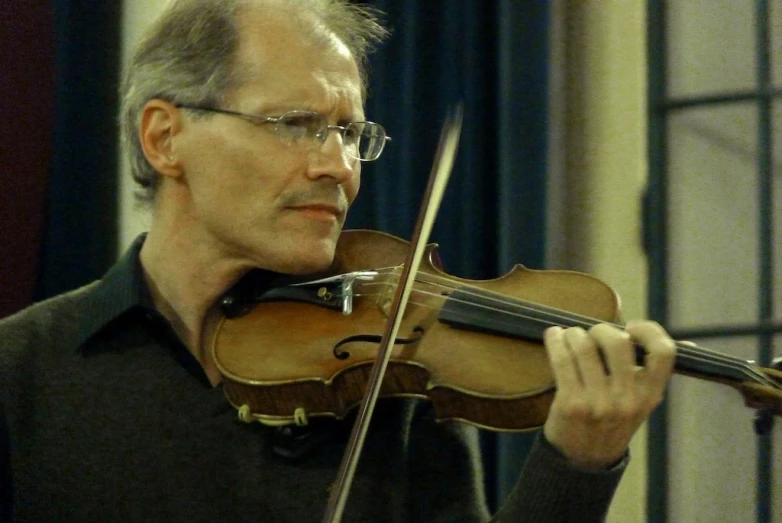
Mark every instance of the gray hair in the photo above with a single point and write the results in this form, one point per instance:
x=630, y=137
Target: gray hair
x=187, y=57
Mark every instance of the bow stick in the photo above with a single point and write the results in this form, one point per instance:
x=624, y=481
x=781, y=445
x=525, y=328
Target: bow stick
x=438, y=179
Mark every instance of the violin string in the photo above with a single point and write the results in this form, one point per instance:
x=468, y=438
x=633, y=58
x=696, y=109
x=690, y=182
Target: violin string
x=685, y=352
x=576, y=319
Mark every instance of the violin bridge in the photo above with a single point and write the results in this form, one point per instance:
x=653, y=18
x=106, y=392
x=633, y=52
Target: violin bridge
x=385, y=297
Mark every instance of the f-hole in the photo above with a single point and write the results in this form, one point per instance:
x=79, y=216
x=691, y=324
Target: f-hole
x=343, y=354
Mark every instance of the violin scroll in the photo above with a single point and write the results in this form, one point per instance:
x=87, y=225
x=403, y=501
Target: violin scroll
x=767, y=400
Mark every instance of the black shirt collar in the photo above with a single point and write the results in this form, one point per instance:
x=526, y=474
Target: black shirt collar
x=122, y=289
x=122, y=295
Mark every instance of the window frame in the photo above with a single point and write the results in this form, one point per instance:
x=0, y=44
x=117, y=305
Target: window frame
x=656, y=239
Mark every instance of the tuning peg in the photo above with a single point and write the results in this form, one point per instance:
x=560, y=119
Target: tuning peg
x=763, y=422
x=764, y=418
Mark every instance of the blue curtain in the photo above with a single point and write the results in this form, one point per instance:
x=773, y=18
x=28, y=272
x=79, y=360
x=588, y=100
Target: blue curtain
x=492, y=56
x=81, y=206
x=489, y=55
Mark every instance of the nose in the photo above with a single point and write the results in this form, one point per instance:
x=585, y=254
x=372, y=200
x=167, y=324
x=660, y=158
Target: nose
x=330, y=159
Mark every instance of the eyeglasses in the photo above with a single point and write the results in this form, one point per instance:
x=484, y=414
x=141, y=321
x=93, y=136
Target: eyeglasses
x=361, y=140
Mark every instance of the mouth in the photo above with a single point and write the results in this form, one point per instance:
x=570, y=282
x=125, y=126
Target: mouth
x=320, y=211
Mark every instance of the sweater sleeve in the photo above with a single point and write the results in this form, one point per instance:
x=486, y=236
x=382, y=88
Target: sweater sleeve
x=447, y=481
x=552, y=490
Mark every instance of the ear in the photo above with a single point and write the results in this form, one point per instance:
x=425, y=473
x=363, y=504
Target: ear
x=160, y=123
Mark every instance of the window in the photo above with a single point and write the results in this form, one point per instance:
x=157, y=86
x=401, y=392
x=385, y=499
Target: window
x=714, y=239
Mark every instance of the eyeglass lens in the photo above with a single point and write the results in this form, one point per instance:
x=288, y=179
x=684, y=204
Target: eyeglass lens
x=361, y=140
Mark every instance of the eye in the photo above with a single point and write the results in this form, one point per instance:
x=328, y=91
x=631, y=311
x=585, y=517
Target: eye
x=354, y=131
x=301, y=125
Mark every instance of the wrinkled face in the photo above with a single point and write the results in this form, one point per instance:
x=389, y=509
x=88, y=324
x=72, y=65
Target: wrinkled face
x=253, y=198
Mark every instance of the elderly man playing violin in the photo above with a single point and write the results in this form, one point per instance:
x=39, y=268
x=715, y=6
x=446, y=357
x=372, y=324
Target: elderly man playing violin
x=245, y=126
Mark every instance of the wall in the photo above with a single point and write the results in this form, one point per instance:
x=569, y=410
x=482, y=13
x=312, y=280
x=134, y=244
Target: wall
x=136, y=16
x=600, y=150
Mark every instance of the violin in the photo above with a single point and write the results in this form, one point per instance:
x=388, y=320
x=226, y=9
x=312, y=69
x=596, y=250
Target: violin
x=473, y=348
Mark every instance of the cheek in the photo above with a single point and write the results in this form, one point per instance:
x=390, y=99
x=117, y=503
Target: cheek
x=234, y=168
x=352, y=187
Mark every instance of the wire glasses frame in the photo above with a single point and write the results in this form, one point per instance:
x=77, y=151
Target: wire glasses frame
x=362, y=141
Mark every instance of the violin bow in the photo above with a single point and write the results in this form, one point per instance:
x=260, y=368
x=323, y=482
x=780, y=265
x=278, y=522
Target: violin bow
x=438, y=179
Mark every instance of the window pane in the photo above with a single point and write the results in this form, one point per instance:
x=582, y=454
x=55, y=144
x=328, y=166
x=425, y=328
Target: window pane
x=711, y=46
x=710, y=432
x=713, y=216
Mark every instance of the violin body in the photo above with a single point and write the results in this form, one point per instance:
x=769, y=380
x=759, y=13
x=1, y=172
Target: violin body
x=286, y=361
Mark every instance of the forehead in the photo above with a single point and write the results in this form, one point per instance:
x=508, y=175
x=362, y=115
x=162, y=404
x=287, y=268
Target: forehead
x=287, y=57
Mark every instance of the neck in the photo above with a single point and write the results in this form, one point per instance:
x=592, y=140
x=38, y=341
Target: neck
x=186, y=278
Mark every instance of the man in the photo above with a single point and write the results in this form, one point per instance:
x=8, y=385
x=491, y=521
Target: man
x=239, y=117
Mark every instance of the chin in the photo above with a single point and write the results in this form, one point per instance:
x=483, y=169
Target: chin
x=311, y=258
x=298, y=250
x=308, y=267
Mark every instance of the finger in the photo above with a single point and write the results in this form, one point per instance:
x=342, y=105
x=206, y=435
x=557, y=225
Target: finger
x=588, y=358
x=660, y=350
x=562, y=365
x=618, y=352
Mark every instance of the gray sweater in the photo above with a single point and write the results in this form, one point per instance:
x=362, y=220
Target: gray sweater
x=105, y=416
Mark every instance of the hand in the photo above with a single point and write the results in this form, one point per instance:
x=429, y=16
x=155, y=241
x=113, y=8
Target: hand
x=602, y=396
